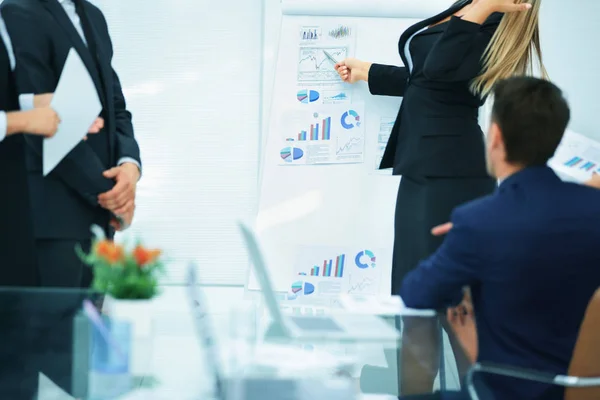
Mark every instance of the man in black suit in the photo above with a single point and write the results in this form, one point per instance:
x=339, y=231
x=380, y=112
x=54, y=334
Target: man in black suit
x=95, y=183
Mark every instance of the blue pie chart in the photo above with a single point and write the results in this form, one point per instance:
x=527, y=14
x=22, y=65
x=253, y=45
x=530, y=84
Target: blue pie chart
x=289, y=154
x=309, y=288
x=350, y=119
x=307, y=96
x=365, y=259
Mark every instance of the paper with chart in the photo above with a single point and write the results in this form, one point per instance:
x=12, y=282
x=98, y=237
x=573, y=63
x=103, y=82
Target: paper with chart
x=327, y=272
x=76, y=102
x=577, y=157
x=385, y=129
x=320, y=48
x=322, y=134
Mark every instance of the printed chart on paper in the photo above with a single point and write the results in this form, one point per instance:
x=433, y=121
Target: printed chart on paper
x=577, y=157
x=324, y=272
x=315, y=65
x=323, y=134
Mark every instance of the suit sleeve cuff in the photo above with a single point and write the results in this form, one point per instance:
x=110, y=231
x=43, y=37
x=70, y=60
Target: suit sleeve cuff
x=125, y=160
x=26, y=101
x=3, y=125
x=374, y=77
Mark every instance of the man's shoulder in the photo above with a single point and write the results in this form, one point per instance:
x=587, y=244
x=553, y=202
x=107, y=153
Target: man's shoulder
x=476, y=210
x=21, y=4
x=570, y=198
x=94, y=11
x=32, y=8
x=581, y=194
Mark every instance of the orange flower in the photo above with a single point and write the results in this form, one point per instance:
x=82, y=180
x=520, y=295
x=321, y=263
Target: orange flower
x=145, y=256
x=110, y=251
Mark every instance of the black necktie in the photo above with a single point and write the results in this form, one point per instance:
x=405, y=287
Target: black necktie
x=89, y=38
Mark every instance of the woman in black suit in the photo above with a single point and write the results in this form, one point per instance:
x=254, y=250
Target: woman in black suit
x=452, y=61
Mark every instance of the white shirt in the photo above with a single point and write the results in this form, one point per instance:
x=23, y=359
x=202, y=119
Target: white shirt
x=71, y=12
x=407, y=53
x=26, y=101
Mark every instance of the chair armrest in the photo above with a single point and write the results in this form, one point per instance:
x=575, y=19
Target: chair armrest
x=527, y=374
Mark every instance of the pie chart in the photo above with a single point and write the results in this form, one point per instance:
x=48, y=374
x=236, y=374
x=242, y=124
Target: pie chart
x=307, y=96
x=296, y=287
x=368, y=256
x=304, y=287
x=289, y=154
x=309, y=288
x=350, y=119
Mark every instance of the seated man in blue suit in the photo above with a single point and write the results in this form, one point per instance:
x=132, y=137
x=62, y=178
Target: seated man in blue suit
x=528, y=253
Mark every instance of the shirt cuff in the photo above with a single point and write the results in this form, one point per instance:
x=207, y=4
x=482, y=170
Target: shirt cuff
x=124, y=160
x=3, y=125
x=26, y=101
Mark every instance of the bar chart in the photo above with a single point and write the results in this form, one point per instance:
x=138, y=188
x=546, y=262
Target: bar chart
x=318, y=131
x=582, y=164
x=330, y=268
x=579, y=162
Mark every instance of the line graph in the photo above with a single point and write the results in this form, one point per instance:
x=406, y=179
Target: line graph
x=364, y=285
x=314, y=65
x=350, y=146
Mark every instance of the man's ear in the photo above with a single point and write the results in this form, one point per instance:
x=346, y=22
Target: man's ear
x=495, y=136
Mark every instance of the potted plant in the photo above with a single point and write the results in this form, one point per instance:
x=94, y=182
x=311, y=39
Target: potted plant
x=129, y=276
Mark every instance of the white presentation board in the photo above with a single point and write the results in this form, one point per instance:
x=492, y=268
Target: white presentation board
x=326, y=214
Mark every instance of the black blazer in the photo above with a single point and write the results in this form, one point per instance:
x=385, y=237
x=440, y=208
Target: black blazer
x=436, y=133
x=65, y=202
x=17, y=250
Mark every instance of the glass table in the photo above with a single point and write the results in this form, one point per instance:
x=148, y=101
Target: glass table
x=47, y=342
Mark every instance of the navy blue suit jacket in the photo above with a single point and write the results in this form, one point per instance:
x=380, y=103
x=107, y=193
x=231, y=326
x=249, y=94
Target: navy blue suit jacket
x=531, y=255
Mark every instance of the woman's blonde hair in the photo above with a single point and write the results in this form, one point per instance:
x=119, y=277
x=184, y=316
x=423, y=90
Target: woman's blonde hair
x=512, y=49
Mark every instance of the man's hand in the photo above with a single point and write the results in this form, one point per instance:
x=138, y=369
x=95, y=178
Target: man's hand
x=594, y=182
x=44, y=100
x=462, y=322
x=39, y=121
x=441, y=230
x=121, y=198
x=123, y=221
x=96, y=126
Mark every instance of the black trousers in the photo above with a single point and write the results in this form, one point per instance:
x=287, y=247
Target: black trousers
x=421, y=205
x=59, y=265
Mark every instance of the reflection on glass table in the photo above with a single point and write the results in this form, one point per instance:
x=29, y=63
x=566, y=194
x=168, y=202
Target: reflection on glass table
x=46, y=331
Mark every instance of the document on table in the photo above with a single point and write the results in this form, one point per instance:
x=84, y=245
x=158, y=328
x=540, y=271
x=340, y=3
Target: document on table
x=77, y=104
x=381, y=306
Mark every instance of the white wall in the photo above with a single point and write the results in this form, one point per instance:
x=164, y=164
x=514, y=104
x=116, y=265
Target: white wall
x=272, y=9
x=190, y=71
x=570, y=36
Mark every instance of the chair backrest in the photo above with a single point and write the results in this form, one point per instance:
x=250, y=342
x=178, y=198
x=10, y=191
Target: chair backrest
x=586, y=356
